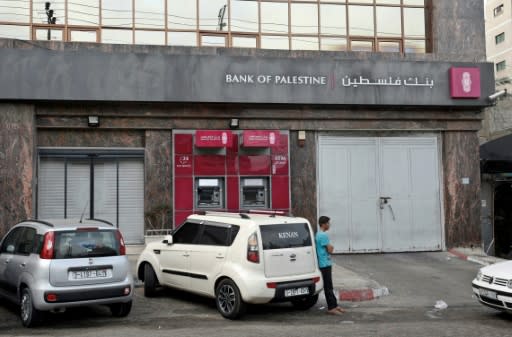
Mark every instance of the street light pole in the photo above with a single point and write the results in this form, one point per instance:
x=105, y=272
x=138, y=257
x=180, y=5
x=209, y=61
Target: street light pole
x=51, y=18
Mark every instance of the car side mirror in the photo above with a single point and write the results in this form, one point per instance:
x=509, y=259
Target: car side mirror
x=168, y=240
x=10, y=249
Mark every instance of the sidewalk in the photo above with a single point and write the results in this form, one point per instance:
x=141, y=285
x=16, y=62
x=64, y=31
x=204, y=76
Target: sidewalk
x=353, y=287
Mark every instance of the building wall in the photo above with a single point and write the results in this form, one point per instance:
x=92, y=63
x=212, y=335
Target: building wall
x=458, y=35
x=132, y=125
x=494, y=25
x=462, y=188
x=458, y=31
x=17, y=163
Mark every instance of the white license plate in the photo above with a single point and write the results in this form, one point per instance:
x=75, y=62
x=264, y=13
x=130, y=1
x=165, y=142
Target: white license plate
x=488, y=294
x=88, y=274
x=296, y=292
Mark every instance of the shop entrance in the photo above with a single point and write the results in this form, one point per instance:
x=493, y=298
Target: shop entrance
x=503, y=219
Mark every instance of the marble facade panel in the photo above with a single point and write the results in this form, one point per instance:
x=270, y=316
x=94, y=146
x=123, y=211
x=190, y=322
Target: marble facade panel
x=461, y=188
x=158, y=184
x=17, y=164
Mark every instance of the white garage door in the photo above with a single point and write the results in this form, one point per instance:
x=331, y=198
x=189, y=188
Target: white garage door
x=382, y=194
x=64, y=191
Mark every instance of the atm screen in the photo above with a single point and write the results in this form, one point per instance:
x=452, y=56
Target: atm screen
x=254, y=196
x=208, y=196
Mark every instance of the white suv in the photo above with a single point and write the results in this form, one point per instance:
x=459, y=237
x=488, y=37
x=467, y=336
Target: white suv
x=236, y=258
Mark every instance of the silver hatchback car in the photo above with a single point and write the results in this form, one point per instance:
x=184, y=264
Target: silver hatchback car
x=55, y=264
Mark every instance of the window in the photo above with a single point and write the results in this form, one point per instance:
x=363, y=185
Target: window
x=266, y=24
x=285, y=236
x=501, y=66
x=499, y=38
x=10, y=241
x=214, y=235
x=85, y=243
x=26, y=241
x=498, y=10
x=187, y=233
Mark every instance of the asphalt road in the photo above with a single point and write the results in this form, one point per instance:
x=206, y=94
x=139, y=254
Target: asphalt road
x=415, y=281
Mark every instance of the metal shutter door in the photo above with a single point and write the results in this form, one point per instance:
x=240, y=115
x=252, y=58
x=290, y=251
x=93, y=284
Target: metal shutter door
x=131, y=200
x=50, y=192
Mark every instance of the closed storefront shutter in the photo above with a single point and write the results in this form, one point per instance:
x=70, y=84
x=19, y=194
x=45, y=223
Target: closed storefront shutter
x=65, y=189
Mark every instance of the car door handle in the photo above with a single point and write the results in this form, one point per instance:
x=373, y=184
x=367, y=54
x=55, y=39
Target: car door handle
x=22, y=265
x=186, y=254
x=219, y=257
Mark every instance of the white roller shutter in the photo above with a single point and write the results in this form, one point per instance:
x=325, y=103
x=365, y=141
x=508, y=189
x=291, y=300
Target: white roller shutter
x=105, y=191
x=118, y=192
x=78, y=189
x=131, y=200
x=50, y=192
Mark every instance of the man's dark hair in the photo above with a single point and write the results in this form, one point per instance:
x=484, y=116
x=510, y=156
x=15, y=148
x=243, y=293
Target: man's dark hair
x=323, y=220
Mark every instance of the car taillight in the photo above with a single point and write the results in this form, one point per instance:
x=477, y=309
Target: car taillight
x=120, y=240
x=316, y=279
x=48, y=245
x=51, y=297
x=253, y=250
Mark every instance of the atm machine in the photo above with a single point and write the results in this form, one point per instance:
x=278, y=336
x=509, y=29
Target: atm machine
x=254, y=193
x=209, y=193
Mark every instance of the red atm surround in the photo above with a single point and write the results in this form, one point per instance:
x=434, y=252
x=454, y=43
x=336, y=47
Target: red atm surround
x=230, y=156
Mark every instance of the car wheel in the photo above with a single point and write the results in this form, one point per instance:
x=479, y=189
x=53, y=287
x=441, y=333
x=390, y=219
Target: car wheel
x=228, y=299
x=305, y=303
x=29, y=315
x=121, y=309
x=150, y=281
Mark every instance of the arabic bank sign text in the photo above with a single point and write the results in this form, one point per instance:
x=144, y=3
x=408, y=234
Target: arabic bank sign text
x=331, y=80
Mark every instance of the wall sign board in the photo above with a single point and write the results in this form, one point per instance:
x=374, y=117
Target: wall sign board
x=260, y=138
x=88, y=75
x=213, y=138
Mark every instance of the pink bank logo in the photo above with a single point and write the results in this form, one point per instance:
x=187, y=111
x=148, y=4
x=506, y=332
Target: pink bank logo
x=272, y=138
x=465, y=82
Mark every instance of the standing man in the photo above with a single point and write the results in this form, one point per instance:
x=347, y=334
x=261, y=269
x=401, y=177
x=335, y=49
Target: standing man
x=323, y=251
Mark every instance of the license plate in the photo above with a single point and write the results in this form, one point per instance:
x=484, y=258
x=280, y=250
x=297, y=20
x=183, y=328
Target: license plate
x=88, y=274
x=488, y=293
x=296, y=292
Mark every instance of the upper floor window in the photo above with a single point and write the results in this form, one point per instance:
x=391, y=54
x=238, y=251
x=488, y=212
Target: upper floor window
x=499, y=38
x=501, y=66
x=335, y=25
x=498, y=10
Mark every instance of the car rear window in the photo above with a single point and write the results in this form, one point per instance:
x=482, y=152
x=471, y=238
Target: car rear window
x=85, y=243
x=285, y=236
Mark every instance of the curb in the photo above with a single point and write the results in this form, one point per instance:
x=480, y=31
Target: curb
x=458, y=254
x=359, y=295
x=470, y=258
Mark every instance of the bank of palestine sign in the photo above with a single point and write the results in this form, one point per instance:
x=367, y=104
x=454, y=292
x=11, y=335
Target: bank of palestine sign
x=39, y=74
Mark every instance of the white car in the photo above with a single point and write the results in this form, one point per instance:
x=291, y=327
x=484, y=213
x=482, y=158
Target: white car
x=492, y=286
x=236, y=258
